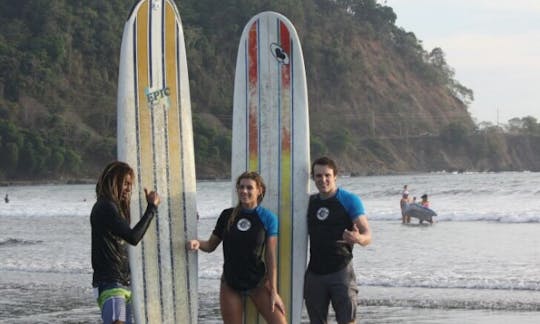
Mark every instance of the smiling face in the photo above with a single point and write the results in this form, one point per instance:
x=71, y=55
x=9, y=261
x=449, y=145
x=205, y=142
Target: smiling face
x=325, y=180
x=125, y=191
x=248, y=193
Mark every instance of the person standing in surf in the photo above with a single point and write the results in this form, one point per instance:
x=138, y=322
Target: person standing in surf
x=425, y=203
x=249, y=234
x=110, y=221
x=336, y=222
x=405, y=190
x=403, y=204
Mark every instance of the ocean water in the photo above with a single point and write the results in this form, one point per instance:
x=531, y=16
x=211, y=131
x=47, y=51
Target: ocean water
x=479, y=263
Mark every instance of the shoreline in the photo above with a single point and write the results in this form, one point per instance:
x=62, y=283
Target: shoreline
x=8, y=183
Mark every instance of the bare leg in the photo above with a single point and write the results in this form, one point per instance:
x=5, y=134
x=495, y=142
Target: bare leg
x=261, y=299
x=230, y=303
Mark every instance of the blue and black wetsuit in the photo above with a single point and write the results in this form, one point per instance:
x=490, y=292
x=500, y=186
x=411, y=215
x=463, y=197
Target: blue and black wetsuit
x=244, y=244
x=327, y=219
x=330, y=276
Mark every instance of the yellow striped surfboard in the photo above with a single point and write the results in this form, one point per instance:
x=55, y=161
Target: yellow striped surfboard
x=271, y=136
x=155, y=137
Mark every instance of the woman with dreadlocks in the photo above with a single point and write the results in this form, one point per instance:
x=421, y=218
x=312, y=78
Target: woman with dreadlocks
x=249, y=234
x=110, y=220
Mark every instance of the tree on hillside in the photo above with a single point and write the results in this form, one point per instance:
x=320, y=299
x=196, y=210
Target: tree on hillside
x=527, y=126
x=531, y=126
x=59, y=66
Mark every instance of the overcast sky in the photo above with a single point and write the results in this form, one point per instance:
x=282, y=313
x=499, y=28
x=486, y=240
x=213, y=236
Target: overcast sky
x=493, y=46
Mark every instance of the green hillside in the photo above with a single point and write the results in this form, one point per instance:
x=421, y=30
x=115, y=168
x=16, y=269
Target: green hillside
x=370, y=83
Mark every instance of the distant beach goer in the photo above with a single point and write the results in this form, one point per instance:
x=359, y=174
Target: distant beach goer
x=403, y=204
x=425, y=203
x=249, y=234
x=6, y=198
x=405, y=190
x=110, y=221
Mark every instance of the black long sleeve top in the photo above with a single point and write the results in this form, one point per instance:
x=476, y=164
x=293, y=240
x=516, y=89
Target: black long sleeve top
x=110, y=232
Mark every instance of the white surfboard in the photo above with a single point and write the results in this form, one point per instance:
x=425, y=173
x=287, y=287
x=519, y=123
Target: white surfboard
x=155, y=137
x=271, y=136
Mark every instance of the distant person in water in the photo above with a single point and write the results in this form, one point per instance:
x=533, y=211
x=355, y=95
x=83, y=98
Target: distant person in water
x=425, y=203
x=405, y=190
x=110, y=221
x=6, y=198
x=403, y=204
x=249, y=235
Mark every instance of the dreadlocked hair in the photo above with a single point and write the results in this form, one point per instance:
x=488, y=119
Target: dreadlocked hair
x=110, y=183
x=251, y=175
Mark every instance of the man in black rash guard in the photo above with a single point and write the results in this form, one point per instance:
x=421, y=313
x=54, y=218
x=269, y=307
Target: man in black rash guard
x=110, y=220
x=336, y=222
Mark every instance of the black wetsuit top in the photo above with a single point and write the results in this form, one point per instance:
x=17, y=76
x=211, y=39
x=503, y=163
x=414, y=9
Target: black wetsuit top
x=327, y=219
x=110, y=232
x=244, y=244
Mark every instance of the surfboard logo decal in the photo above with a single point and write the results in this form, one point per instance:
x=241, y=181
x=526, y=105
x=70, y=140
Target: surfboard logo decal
x=279, y=53
x=158, y=98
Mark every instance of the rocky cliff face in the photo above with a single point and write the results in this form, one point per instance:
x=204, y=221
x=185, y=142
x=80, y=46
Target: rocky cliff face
x=428, y=154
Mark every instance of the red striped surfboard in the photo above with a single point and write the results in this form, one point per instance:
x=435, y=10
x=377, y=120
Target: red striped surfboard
x=271, y=136
x=155, y=137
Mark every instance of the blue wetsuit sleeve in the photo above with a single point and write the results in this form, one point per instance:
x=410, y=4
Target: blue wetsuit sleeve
x=269, y=220
x=352, y=203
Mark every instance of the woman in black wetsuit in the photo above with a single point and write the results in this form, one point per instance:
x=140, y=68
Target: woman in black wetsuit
x=110, y=220
x=249, y=235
